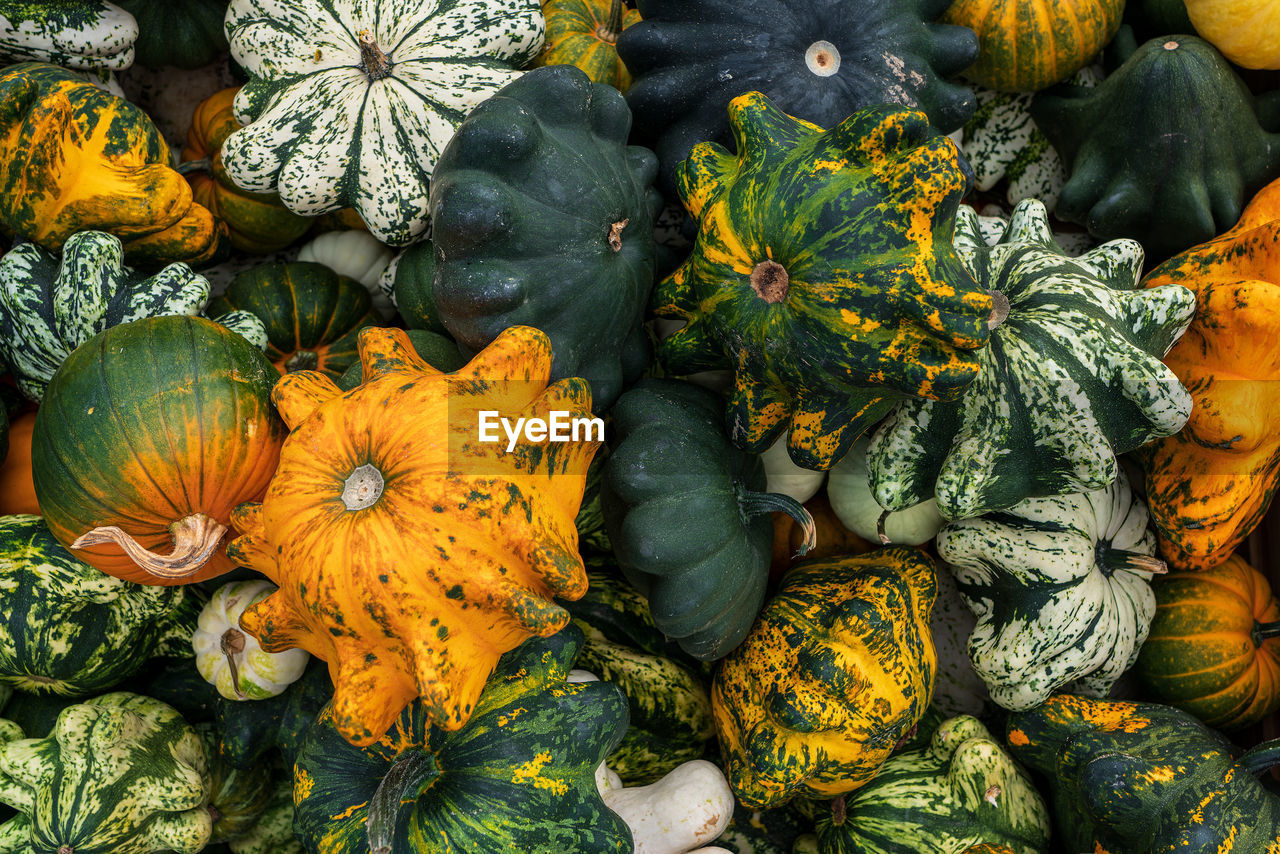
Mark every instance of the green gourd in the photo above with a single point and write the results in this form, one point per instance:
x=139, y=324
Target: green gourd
x=187, y=34
x=250, y=731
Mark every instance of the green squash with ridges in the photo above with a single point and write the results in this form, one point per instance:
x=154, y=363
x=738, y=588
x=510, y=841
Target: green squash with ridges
x=248, y=731
x=187, y=34
x=273, y=832
x=1072, y=378
x=85, y=34
x=237, y=796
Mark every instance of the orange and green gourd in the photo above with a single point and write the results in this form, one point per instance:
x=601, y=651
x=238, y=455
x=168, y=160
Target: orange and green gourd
x=836, y=671
x=584, y=33
x=1209, y=485
x=823, y=274
x=1214, y=646
x=409, y=553
x=75, y=157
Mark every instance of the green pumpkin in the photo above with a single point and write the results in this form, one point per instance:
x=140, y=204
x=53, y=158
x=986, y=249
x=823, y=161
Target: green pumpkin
x=960, y=790
x=119, y=774
x=823, y=274
x=93, y=35
x=312, y=315
x=688, y=515
x=1166, y=150
x=237, y=796
x=527, y=223
x=522, y=769
x=187, y=34
x=248, y=731
x=409, y=281
x=1072, y=377
x=1140, y=778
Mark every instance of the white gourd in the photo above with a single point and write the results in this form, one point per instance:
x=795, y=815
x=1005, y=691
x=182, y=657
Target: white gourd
x=849, y=491
x=788, y=478
x=230, y=659
x=357, y=255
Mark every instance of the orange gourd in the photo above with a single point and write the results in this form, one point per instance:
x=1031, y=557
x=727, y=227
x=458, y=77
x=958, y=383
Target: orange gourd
x=409, y=554
x=17, y=489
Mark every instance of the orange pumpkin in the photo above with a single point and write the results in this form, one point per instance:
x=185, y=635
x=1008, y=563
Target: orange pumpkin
x=17, y=489
x=409, y=554
x=1209, y=485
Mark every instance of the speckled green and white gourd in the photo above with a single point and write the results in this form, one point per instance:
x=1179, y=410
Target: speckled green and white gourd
x=81, y=34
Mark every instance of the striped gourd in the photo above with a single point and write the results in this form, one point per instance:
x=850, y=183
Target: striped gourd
x=823, y=273
x=272, y=833
x=350, y=103
x=1061, y=589
x=1072, y=377
x=87, y=34
x=119, y=774
x=961, y=790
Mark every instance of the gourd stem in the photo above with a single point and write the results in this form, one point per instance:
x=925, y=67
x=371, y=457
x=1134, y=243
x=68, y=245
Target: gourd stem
x=615, y=234
x=302, y=360
x=612, y=28
x=1257, y=760
x=204, y=164
x=405, y=773
x=232, y=646
x=375, y=63
x=1262, y=631
x=999, y=310
x=880, y=532
x=195, y=539
x=1114, y=559
x=757, y=503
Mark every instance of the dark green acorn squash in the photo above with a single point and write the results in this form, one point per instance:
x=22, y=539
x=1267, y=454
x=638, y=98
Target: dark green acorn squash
x=688, y=515
x=819, y=61
x=410, y=281
x=1140, y=778
x=542, y=216
x=248, y=731
x=518, y=776
x=177, y=682
x=1166, y=150
x=186, y=34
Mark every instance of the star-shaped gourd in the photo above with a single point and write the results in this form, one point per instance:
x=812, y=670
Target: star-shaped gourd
x=409, y=553
x=823, y=274
x=1071, y=377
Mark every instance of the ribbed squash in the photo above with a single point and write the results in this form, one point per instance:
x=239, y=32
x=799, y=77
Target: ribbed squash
x=584, y=34
x=85, y=34
x=237, y=796
x=836, y=671
x=149, y=434
x=1210, y=485
x=183, y=35
x=1026, y=45
x=1246, y=31
x=252, y=732
x=232, y=661
x=272, y=833
x=387, y=491
x=75, y=157
x=1214, y=647
x=258, y=223
x=823, y=274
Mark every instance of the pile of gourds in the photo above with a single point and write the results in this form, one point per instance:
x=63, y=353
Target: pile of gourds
x=932, y=347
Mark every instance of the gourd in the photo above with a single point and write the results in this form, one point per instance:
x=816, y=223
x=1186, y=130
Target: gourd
x=1162, y=151
x=134, y=770
x=17, y=490
x=691, y=58
x=688, y=516
x=85, y=34
x=849, y=490
x=186, y=35
x=957, y=688
x=1245, y=32
x=273, y=832
x=357, y=255
x=798, y=280
x=386, y=491
x=833, y=538
x=787, y=478
x=74, y=157
x=961, y=790
x=522, y=769
x=1213, y=649
x=232, y=661
x=51, y=303
x=584, y=34
x=237, y=796
x=257, y=223
x=149, y=434
x=1140, y=778
x=1027, y=45
x=1061, y=589
x=1062, y=323
x=327, y=137
x=687, y=808
x=250, y=733
x=71, y=630
x=310, y=313
x=409, y=282
x=523, y=225
x=838, y=668
x=1210, y=484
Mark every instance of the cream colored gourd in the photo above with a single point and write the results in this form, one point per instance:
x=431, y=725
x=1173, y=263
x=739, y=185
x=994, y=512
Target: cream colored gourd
x=230, y=659
x=788, y=478
x=849, y=491
x=357, y=255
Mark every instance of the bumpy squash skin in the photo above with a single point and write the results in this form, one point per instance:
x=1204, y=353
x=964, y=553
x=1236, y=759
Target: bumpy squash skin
x=538, y=204
x=312, y=315
x=518, y=776
x=1210, y=485
x=1022, y=430
x=85, y=34
x=1163, y=151
x=183, y=35
x=816, y=61
x=1140, y=778
x=386, y=491
x=150, y=422
x=836, y=671
x=579, y=34
x=1205, y=653
x=823, y=274
x=75, y=157
x=1027, y=45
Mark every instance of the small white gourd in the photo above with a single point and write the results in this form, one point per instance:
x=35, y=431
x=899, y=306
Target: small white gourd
x=357, y=255
x=849, y=491
x=788, y=478
x=230, y=659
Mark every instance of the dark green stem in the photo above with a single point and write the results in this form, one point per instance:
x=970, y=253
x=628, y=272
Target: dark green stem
x=1261, y=758
x=1110, y=560
x=302, y=360
x=1262, y=631
x=405, y=773
x=612, y=28
x=204, y=164
x=756, y=503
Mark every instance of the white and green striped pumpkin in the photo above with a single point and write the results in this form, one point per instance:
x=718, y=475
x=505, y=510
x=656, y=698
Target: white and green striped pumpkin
x=1061, y=590
x=230, y=658
x=80, y=34
x=960, y=791
x=119, y=774
x=350, y=102
x=1071, y=377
